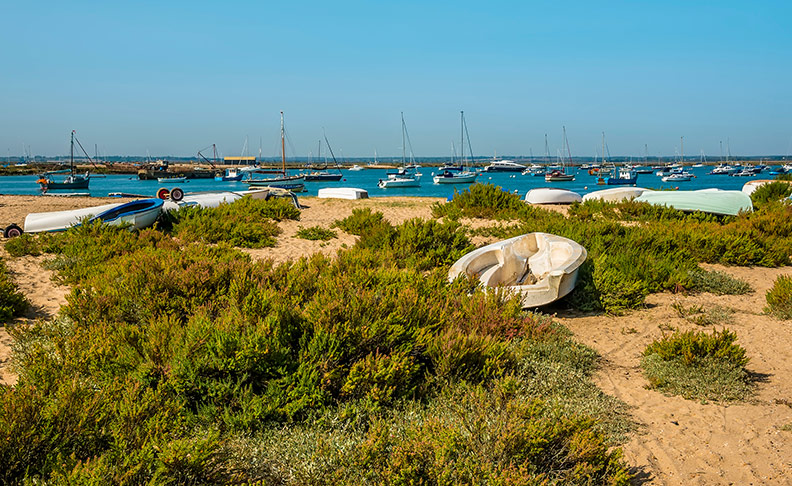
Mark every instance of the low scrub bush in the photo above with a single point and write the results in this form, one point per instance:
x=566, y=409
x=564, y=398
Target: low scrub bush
x=316, y=233
x=24, y=244
x=12, y=302
x=481, y=201
x=717, y=282
x=779, y=297
x=698, y=314
x=361, y=219
x=698, y=365
x=244, y=223
x=771, y=192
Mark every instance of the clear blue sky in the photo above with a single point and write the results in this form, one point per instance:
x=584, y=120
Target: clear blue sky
x=173, y=77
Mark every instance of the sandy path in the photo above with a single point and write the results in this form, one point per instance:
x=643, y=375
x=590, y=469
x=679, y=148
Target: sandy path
x=44, y=295
x=688, y=442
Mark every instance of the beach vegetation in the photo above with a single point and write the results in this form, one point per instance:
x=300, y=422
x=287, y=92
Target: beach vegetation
x=635, y=248
x=361, y=219
x=177, y=361
x=704, y=316
x=316, y=233
x=779, y=297
x=771, y=192
x=12, y=302
x=698, y=365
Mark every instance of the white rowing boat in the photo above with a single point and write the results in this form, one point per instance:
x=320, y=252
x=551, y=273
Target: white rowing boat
x=539, y=267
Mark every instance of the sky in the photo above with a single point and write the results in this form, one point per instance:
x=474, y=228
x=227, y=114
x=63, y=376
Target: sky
x=170, y=78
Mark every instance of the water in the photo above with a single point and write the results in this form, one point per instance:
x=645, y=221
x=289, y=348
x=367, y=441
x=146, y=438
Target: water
x=367, y=179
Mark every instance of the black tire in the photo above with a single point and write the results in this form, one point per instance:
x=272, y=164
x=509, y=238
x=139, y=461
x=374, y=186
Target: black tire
x=176, y=194
x=12, y=231
x=163, y=193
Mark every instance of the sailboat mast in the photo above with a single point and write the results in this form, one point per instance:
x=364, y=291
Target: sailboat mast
x=547, y=151
x=71, y=154
x=603, y=148
x=403, y=143
x=682, y=149
x=462, y=136
x=283, y=146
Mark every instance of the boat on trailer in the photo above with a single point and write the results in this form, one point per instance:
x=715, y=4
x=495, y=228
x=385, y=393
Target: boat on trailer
x=538, y=267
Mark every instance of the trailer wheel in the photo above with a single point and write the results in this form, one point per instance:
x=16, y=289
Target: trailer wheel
x=163, y=193
x=12, y=231
x=176, y=194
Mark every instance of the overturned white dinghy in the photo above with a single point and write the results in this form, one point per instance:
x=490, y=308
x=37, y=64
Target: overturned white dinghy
x=343, y=193
x=138, y=214
x=539, y=267
x=552, y=195
x=615, y=194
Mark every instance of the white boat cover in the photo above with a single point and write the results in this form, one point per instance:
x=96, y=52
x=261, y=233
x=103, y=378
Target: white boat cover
x=552, y=195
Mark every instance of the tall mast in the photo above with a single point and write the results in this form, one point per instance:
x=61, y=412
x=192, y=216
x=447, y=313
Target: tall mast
x=603, y=148
x=682, y=149
x=403, y=143
x=547, y=151
x=71, y=154
x=462, y=136
x=283, y=146
x=721, y=152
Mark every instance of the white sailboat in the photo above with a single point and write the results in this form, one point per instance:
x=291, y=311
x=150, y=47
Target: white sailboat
x=458, y=174
x=403, y=177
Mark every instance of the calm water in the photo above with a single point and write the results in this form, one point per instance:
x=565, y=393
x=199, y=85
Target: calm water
x=367, y=179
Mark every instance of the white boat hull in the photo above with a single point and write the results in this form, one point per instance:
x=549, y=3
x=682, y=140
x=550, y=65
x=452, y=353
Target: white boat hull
x=463, y=178
x=539, y=267
x=62, y=220
x=399, y=182
x=342, y=193
x=615, y=195
x=552, y=195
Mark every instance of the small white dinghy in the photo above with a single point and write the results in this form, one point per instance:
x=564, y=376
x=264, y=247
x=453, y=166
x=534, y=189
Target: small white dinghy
x=750, y=186
x=552, y=195
x=615, y=194
x=539, y=267
x=343, y=193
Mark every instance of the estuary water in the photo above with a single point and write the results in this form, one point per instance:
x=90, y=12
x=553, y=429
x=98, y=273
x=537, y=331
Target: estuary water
x=367, y=179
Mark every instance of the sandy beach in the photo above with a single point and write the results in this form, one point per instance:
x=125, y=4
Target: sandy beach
x=678, y=441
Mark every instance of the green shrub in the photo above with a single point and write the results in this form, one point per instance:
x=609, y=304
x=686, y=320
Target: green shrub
x=481, y=201
x=717, y=282
x=12, y=302
x=779, y=297
x=24, y=244
x=361, y=219
x=243, y=223
x=698, y=365
x=773, y=191
x=316, y=233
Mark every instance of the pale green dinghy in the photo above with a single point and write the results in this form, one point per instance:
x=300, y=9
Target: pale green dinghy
x=714, y=201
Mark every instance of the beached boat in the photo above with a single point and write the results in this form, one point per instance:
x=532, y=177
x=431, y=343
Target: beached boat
x=213, y=199
x=750, y=186
x=539, y=267
x=342, y=193
x=139, y=214
x=71, y=181
x=615, y=194
x=714, y=201
x=552, y=195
